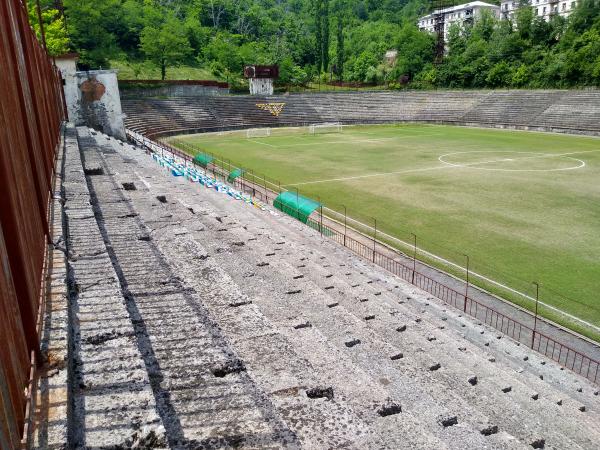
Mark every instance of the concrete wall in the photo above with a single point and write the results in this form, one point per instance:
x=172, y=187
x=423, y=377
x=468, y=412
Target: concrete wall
x=261, y=86
x=92, y=97
x=174, y=90
x=68, y=69
x=99, y=103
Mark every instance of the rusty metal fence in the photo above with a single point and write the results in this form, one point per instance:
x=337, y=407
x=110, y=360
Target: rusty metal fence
x=31, y=112
x=367, y=249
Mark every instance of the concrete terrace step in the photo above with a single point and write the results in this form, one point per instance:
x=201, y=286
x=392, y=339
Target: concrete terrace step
x=279, y=311
x=539, y=109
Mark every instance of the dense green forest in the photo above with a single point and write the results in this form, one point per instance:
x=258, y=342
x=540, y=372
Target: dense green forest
x=342, y=40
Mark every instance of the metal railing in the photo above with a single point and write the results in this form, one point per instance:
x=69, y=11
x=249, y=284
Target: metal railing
x=541, y=343
x=31, y=111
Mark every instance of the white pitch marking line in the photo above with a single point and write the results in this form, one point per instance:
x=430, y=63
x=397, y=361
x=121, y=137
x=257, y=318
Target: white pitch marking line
x=536, y=155
x=351, y=141
x=445, y=261
x=447, y=165
x=371, y=175
x=263, y=143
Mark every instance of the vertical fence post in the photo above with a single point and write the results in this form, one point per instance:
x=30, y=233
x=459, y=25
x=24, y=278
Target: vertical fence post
x=537, y=297
x=265, y=184
x=466, y=285
x=374, y=238
x=414, y=257
x=345, y=228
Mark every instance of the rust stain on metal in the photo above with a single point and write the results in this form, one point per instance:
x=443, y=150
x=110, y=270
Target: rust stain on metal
x=31, y=113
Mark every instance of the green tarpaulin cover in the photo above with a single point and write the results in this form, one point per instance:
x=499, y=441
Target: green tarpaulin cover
x=202, y=159
x=234, y=174
x=295, y=205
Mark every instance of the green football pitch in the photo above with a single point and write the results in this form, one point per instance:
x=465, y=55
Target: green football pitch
x=524, y=206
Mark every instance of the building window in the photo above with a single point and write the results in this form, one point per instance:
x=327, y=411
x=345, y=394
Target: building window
x=544, y=10
x=564, y=6
x=572, y=5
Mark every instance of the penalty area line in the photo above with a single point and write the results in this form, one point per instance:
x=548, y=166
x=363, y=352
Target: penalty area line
x=263, y=143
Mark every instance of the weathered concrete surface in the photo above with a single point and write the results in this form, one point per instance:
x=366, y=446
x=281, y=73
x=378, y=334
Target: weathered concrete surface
x=172, y=90
x=98, y=103
x=110, y=402
x=255, y=332
x=67, y=65
x=49, y=428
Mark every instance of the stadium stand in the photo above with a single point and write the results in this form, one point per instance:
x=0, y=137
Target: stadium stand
x=206, y=322
x=562, y=111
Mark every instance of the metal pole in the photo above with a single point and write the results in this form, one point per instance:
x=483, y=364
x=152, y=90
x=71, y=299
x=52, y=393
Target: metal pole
x=265, y=183
x=414, y=257
x=467, y=285
x=537, y=297
x=41, y=22
x=344, y=206
x=374, y=237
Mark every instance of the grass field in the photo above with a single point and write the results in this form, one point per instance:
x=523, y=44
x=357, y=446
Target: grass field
x=149, y=71
x=524, y=206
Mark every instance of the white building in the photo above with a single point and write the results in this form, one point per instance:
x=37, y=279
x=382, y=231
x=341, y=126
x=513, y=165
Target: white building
x=541, y=8
x=459, y=14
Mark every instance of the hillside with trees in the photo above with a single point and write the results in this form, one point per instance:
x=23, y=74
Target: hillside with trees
x=341, y=40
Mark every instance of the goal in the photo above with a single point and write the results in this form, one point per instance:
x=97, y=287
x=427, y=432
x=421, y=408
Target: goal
x=258, y=132
x=333, y=127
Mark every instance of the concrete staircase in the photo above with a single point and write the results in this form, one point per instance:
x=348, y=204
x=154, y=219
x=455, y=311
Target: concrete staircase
x=217, y=324
x=564, y=111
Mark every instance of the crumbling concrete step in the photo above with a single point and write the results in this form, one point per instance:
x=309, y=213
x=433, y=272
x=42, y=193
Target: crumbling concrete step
x=112, y=403
x=230, y=224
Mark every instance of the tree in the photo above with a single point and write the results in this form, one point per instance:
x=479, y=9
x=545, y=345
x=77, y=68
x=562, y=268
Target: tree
x=166, y=45
x=340, y=57
x=325, y=36
x=524, y=19
x=500, y=75
x=88, y=25
x=318, y=34
x=57, y=41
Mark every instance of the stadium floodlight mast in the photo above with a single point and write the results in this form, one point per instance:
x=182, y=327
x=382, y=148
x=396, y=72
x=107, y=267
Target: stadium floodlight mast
x=537, y=298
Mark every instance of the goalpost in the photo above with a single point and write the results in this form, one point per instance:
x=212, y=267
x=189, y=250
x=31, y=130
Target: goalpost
x=331, y=127
x=258, y=132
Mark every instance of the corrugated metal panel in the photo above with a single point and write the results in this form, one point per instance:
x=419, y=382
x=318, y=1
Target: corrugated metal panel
x=31, y=112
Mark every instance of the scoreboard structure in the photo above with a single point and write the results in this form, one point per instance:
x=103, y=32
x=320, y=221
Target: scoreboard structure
x=261, y=78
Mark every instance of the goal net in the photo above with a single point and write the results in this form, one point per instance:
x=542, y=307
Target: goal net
x=333, y=127
x=258, y=132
